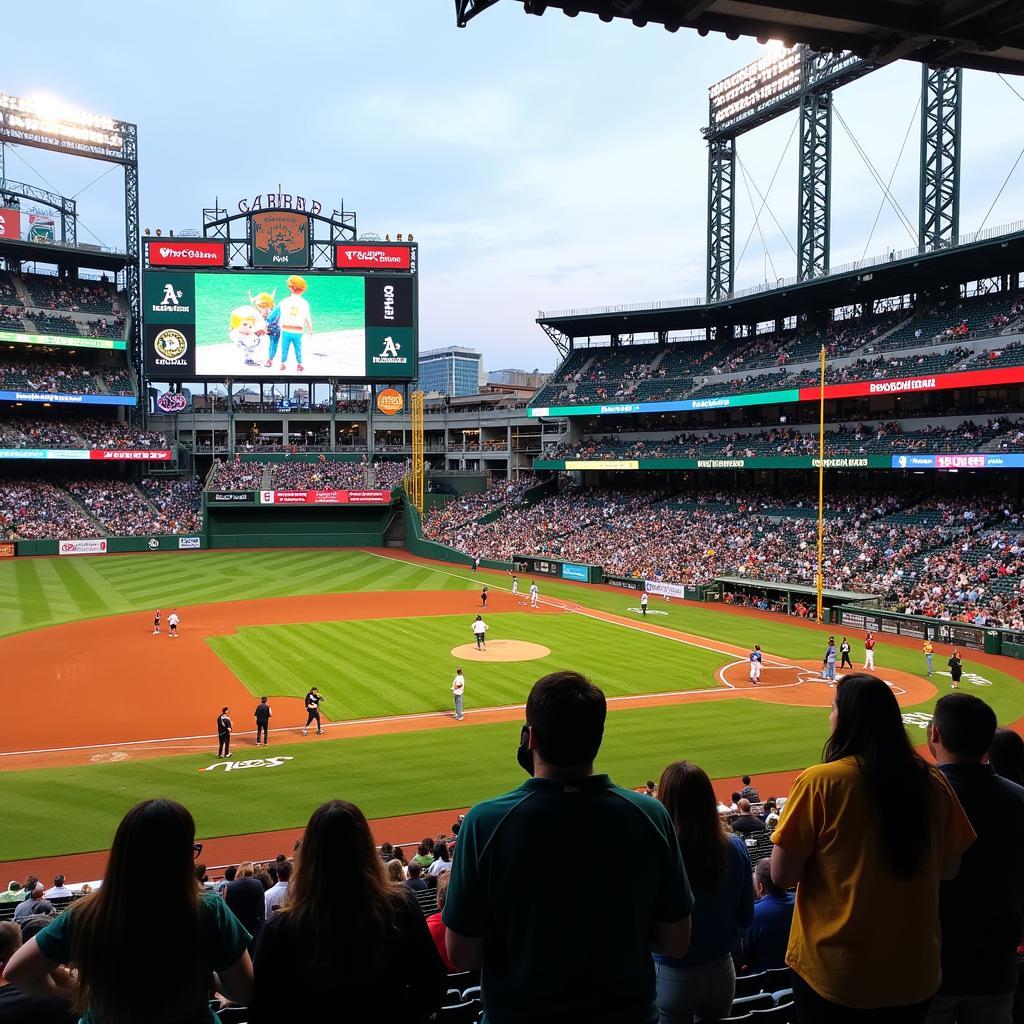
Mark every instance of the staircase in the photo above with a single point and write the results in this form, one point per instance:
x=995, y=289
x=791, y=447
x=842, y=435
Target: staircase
x=101, y=530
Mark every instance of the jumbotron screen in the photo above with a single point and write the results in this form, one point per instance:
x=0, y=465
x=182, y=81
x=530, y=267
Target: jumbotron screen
x=276, y=324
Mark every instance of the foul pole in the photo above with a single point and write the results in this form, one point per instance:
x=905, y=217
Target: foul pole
x=821, y=485
x=414, y=488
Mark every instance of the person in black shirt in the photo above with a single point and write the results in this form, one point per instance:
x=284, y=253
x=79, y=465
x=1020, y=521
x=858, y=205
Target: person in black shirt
x=313, y=699
x=844, y=654
x=262, y=722
x=483, y=597
x=223, y=733
x=18, y=1007
x=956, y=669
x=244, y=897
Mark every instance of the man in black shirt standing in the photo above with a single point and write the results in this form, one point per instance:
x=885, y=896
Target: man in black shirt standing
x=223, y=734
x=262, y=720
x=981, y=910
x=313, y=699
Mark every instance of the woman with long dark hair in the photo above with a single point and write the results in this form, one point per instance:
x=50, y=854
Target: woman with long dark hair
x=866, y=837
x=1006, y=755
x=146, y=945
x=703, y=982
x=347, y=944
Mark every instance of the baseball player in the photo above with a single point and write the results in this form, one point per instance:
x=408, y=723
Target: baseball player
x=295, y=321
x=869, y=651
x=156, y=622
x=223, y=734
x=479, y=632
x=929, y=654
x=844, y=654
x=643, y=604
x=458, y=689
x=755, y=665
x=247, y=328
x=312, y=703
x=172, y=624
x=534, y=595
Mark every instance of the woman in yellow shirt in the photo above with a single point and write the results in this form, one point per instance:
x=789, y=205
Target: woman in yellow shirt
x=866, y=837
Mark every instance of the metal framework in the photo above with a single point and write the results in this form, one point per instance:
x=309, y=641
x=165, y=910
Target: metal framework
x=67, y=208
x=939, y=198
x=721, y=217
x=815, y=194
x=415, y=487
x=561, y=341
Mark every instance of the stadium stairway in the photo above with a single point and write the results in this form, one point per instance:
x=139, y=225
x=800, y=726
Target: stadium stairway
x=20, y=289
x=101, y=530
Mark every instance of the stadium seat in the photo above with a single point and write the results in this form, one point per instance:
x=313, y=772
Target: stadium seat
x=473, y=992
x=233, y=1015
x=760, y=1001
x=461, y=1013
x=751, y=984
x=785, y=1013
x=778, y=978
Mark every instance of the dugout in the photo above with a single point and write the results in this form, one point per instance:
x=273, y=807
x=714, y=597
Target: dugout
x=783, y=597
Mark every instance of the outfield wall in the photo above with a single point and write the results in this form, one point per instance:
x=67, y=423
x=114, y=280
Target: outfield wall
x=110, y=545
x=290, y=526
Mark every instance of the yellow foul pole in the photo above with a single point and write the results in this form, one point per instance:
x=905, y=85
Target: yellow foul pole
x=821, y=485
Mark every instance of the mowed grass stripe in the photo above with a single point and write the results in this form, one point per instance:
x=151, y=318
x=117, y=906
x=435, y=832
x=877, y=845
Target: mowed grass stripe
x=373, y=667
x=436, y=769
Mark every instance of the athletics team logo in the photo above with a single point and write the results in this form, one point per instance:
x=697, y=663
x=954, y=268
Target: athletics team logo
x=171, y=344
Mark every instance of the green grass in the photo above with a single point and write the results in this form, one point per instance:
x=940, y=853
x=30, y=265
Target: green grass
x=366, y=667
x=389, y=775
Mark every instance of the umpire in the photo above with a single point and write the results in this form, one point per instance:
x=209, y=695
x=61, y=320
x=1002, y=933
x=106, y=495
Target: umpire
x=313, y=699
x=223, y=734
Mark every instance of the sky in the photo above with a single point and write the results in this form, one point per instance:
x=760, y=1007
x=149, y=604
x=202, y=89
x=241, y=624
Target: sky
x=542, y=163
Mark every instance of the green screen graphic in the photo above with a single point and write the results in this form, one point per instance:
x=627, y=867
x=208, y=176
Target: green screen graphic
x=260, y=324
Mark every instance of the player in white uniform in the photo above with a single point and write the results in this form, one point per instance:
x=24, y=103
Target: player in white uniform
x=295, y=321
x=515, y=586
x=643, y=603
x=480, y=633
x=247, y=329
x=172, y=625
x=755, y=665
x=534, y=595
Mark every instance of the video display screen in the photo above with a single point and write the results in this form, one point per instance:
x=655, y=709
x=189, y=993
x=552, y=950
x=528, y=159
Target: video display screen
x=278, y=324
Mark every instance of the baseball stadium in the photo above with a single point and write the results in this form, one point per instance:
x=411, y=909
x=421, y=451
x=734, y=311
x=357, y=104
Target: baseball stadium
x=226, y=486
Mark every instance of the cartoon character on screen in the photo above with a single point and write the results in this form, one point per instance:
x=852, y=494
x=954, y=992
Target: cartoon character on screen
x=246, y=329
x=295, y=320
x=265, y=303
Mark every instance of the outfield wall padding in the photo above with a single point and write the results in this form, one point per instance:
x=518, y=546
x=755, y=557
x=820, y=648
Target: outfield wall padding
x=119, y=545
x=286, y=526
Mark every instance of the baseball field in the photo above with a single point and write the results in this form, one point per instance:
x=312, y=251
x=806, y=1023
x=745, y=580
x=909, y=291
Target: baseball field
x=99, y=713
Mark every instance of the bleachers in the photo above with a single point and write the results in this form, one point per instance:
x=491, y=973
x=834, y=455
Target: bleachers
x=976, y=313
x=80, y=296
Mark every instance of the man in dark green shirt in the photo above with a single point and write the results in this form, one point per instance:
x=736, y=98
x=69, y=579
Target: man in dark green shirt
x=555, y=941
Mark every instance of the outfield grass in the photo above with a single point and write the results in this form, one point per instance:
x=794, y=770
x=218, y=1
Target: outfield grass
x=374, y=667
x=391, y=774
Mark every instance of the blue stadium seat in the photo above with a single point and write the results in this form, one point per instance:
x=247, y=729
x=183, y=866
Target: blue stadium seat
x=751, y=984
x=761, y=1001
x=784, y=1013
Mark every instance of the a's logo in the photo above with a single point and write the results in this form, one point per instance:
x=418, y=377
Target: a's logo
x=391, y=347
x=171, y=401
x=152, y=543
x=171, y=344
x=389, y=353
x=259, y=762
x=280, y=239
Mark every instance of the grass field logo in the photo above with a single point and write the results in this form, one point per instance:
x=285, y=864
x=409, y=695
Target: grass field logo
x=259, y=762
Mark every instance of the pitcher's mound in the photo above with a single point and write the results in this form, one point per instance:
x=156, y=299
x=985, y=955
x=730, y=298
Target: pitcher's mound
x=502, y=650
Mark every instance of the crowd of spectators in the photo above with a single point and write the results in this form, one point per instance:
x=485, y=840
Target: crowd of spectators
x=80, y=432
x=48, y=375
x=446, y=522
x=69, y=326
x=37, y=510
x=389, y=473
x=236, y=475
x=178, y=501
x=60, y=293
x=324, y=474
x=124, y=511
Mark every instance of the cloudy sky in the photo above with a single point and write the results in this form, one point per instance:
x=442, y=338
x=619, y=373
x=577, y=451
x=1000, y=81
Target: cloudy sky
x=541, y=163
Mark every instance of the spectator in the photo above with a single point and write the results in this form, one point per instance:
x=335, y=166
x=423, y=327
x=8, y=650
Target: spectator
x=867, y=834
x=127, y=968
x=387, y=852
x=982, y=909
x=35, y=904
x=274, y=896
x=423, y=856
x=771, y=814
x=347, y=941
x=414, y=881
x=17, y=1007
x=229, y=876
x=1006, y=755
x=436, y=925
x=441, y=863
x=244, y=896
x=745, y=822
x=396, y=873
x=550, y=951
x=13, y=893
x=703, y=982
x=748, y=792
x=764, y=947
x=59, y=890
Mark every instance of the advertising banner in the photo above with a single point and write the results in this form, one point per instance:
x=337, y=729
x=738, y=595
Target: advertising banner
x=624, y=582
x=10, y=223
x=130, y=454
x=189, y=543
x=910, y=385
x=390, y=402
x=376, y=256
x=88, y=454
x=949, y=460
x=169, y=298
x=280, y=238
x=602, y=464
x=192, y=252
x=231, y=498
x=543, y=566
x=95, y=546
x=575, y=572
x=170, y=351
x=56, y=398
x=59, y=341
x=780, y=462
x=324, y=497
x=665, y=589
x=7, y=549
x=681, y=405
x=41, y=227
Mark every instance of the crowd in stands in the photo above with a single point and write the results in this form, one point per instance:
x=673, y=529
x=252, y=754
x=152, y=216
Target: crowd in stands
x=65, y=294
x=908, y=901
x=178, y=501
x=235, y=475
x=47, y=375
x=82, y=432
x=50, y=323
x=323, y=474
x=445, y=522
x=389, y=473
x=124, y=511
x=37, y=510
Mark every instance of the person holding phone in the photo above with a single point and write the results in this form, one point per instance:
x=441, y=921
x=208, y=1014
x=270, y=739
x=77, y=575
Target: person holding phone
x=312, y=702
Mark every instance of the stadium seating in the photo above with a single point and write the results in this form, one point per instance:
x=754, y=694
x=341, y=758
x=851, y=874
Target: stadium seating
x=49, y=292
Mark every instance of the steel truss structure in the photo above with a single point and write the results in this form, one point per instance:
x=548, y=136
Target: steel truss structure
x=721, y=217
x=814, y=214
x=12, y=191
x=939, y=197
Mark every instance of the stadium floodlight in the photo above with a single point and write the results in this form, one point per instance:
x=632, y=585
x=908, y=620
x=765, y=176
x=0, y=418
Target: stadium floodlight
x=49, y=122
x=777, y=72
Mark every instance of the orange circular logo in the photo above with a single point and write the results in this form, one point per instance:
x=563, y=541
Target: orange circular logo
x=390, y=401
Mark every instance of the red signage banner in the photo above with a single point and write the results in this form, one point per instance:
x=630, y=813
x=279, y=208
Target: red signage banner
x=10, y=222
x=131, y=454
x=192, y=252
x=373, y=257
x=912, y=385
x=7, y=549
x=330, y=497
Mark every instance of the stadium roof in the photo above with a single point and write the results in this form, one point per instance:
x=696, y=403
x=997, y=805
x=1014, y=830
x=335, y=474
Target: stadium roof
x=984, y=34
x=902, y=274
x=94, y=258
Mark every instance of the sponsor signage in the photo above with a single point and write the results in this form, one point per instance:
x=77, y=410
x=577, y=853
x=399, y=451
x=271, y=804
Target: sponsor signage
x=58, y=341
x=170, y=349
x=192, y=252
x=390, y=340
x=280, y=238
x=390, y=401
x=721, y=463
x=280, y=201
x=683, y=405
x=10, y=223
x=169, y=298
x=953, y=633
x=172, y=402
x=571, y=571
x=960, y=635
x=602, y=464
x=324, y=497
x=189, y=543
x=7, y=549
x=231, y=498
x=665, y=589
x=543, y=566
x=88, y=454
x=624, y=582
x=131, y=454
x=258, y=762
x=92, y=546
x=781, y=462
x=948, y=460
x=59, y=398
x=373, y=257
